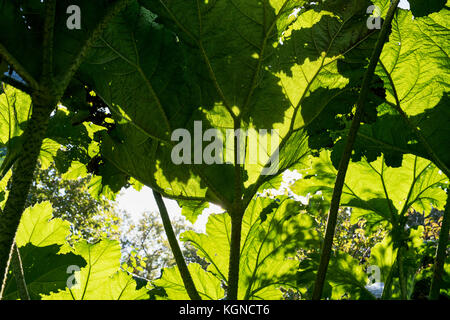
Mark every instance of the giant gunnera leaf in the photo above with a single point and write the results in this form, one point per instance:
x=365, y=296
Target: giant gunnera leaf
x=414, y=117
x=384, y=256
x=101, y=278
x=206, y=283
x=345, y=279
x=45, y=270
x=272, y=231
x=378, y=192
x=45, y=257
x=25, y=20
x=267, y=68
x=54, y=270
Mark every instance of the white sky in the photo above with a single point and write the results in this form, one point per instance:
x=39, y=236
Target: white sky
x=404, y=4
x=136, y=203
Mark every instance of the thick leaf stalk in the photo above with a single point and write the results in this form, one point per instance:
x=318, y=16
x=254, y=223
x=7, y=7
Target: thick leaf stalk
x=401, y=274
x=21, y=181
x=441, y=252
x=235, y=255
x=174, y=246
x=387, y=290
x=345, y=159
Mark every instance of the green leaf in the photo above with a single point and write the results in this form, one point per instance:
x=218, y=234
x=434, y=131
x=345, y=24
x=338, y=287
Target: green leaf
x=77, y=170
x=39, y=228
x=384, y=256
x=45, y=271
x=15, y=110
x=226, y=62
x=101, y=278
x=416, y=48
x=40, y=237
x=345, y=279
x=267, y=247
x=14, y=113
x=49, y=150
x=376, y=191
x=121, y=286
x=192, y=209
x=108, y=182
x=208, y=286
x=77, y=140
x=45, y=255
x=25, y=20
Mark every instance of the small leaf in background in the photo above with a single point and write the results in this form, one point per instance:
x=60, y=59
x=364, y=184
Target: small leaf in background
x=38, y=228
x=192, y=209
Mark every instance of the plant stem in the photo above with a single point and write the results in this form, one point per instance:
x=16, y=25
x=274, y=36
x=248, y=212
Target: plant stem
x=345, y=159
x=401, y=274
x=49, y=29
x=235, y=255
x=21, y=181
x=387, y=290
x=17, y=268
x=441, y=252
x=181, y=263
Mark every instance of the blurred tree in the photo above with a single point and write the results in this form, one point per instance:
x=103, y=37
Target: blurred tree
x=351, y=238
x=146, y=249
x=91, y=218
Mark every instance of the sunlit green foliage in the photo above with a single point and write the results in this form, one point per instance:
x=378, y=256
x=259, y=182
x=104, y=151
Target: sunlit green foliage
x=142, y=69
